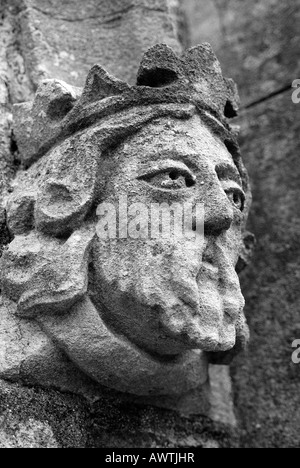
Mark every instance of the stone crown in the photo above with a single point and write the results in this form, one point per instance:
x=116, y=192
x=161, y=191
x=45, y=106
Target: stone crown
x=60, y=110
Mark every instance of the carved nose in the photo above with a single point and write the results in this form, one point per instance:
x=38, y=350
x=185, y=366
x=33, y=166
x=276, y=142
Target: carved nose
x=218, y=215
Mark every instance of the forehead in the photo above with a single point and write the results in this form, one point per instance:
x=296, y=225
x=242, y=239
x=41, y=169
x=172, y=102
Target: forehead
x=170, y=137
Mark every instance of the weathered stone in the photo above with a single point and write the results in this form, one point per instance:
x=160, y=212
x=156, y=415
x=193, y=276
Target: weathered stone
x=139, y=316
x=117, y=308
x=20, y=212
x=44, y=419
x=4, y=233
x=32, y=434
x=53, y=100
x=196, y=77
x=6, y=158
x=42, y=274
x=56, y=37
x=36, y=419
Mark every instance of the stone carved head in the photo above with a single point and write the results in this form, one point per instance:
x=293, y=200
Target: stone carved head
x=144, y=315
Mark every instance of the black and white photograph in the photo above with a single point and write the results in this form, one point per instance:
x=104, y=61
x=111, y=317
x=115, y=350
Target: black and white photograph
x=149, y=227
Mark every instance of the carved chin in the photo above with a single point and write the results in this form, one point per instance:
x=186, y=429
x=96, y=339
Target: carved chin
x=167, y=305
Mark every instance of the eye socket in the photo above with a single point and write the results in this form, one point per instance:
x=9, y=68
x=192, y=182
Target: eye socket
x=170, y=179
x=236, y=197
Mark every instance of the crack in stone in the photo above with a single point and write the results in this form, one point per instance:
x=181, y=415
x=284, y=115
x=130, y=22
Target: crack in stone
x=114, y=17
x=268, y=96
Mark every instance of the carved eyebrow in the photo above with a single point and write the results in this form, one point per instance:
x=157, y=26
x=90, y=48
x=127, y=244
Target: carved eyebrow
x=228, y=172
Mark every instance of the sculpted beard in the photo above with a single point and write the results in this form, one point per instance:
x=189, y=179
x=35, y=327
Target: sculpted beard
x=170, y=302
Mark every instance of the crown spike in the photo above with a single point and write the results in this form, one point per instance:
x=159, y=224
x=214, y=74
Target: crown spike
x=33, y=122
x=100, y=85
x=159, y=67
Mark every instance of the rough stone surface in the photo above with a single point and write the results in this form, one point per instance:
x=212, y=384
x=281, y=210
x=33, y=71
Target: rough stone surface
x=35, y=418
x=80, y=286
x=163, y=78
x=65, y=290
x=56, y=36
x=48, y=39
x=257, y=41
x=6, y=156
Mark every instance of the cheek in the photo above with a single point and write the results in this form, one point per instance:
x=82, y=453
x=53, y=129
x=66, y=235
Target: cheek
x=148, y=253
x=147, y=268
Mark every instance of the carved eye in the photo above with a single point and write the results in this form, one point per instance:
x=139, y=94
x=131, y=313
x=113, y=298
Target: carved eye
x=237, y=198
x=170, y=179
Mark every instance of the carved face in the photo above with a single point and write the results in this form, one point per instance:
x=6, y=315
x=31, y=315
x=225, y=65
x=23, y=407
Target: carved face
x=105, y=301
x=167, y=295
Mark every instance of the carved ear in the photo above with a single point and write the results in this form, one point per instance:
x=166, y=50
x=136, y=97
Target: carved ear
x=45, y=275
x=67, y=190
